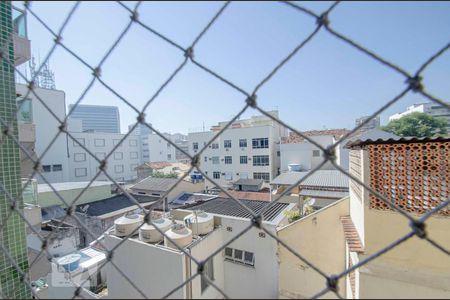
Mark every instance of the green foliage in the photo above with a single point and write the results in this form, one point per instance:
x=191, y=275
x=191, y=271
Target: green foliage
x=162, y=175
x=417, y=124
x=292, y=215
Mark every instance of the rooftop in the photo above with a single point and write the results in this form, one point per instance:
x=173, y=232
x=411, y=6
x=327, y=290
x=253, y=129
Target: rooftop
x=155, y=165
x=189, y=199
x=113, y=205
x=65, y=186
x=256, y=182
x=366, y=140
x=294, y=138
x=229, y=207
x=247, y=195
x=319, y=178
x=155, y=184
x=370, y=135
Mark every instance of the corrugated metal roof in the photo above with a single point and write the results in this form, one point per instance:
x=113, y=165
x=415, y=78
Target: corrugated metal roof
x=320, y=178
x=249, y=182
x=155, y=184
x=105, y=206
x=377, y=136
x=323, y=194
x=229, y=207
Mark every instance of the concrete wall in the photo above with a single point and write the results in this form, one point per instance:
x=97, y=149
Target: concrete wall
x=319, y=237
x=357, y=205
x=156, y=271
x=295, y=154
x=47, y=128
x=243, y=281
x=414, y=269
x=159, y=149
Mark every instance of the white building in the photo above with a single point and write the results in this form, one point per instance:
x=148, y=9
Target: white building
x=247, y=268
x=430, y=108
x=121, y=164
x=249, y=149
x=142, y=132
x=55, y=162
x=302, y=155
x=372, y=124
x=159, y=149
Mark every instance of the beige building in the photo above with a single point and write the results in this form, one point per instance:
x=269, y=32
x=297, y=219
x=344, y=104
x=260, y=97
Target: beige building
x=413, y=174
x=164, y=167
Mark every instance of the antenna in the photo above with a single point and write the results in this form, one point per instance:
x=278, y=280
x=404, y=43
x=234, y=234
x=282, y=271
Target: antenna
x=45, y=78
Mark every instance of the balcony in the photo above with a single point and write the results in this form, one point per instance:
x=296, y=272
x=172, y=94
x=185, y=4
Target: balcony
x=22, y=48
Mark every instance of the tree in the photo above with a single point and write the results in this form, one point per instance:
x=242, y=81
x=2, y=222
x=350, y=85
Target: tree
x=417, y=124
x=162, y=175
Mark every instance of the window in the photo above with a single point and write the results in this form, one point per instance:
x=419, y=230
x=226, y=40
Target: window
x=261, y=160
x=80, y=140
x=263, y=176
x=228, y=160
x=240, y=256
x=227, y=144
x=57, y=168
x=215, y=160
x=47, y=168
x=169, y=156
x=116, y=142
x=228, y=252
x=243, y=160
x=80, y=172
x=316, y=153
x=79, y=157
x=216, y=175
x=100, y=155
x=133, y=143
x=25, y=113
x=260, y=143
x=208, y=272
x=118, y=168
x=278, y=153
x=215, y=145
x=118, y=155
x=99, y=142
x=134, y=155
x=206, y=159
x=243, y=143
x=195, y=146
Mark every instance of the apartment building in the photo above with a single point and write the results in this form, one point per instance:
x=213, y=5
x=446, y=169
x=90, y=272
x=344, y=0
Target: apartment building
x=372, y=124
x=55, y=161
x=249, y=149
x=97, y=118
x=431, y=108
x=121, y=164
x=159, y=149
x=142, y=132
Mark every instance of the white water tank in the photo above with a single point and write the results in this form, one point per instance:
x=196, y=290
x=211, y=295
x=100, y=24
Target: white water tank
x=148, y=232
x=125, y=225
x=70, y=262
x=294, y=167
x=200, y=222
x=180, y=234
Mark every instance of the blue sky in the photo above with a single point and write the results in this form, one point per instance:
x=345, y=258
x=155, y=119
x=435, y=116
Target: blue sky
x=327, y=84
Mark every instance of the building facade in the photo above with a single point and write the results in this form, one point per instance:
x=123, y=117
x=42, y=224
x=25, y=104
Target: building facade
x=159, y=149
x=430, y=108
x=97, y=118
x=249, y=149
x=372, y=124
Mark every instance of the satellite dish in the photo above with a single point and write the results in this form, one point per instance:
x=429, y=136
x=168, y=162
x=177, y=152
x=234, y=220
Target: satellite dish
x=311, y=201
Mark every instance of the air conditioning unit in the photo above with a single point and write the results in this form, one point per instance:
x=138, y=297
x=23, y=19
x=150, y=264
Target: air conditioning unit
x=227, y=149
x=210, y=158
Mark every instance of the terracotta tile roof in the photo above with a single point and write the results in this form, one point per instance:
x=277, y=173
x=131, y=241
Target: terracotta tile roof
x=155, y=165
x=351, y=235
x=294, y=138
x=247, y=195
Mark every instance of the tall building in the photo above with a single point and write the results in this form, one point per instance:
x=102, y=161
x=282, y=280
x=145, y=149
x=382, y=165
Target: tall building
x=142, y=132
x=430, y=108
x=372, y=124
x=12, y=233
x=159, y=149
x=97, y=118
x=249, y=149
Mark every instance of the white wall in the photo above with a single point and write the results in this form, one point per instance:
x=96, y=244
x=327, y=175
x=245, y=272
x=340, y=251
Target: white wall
x=242, y=281
x=159, y=149
x=121, y=163
x=46, y=130
x=156, y=271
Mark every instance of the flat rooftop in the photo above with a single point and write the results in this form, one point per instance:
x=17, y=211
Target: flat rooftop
x=66, y=186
